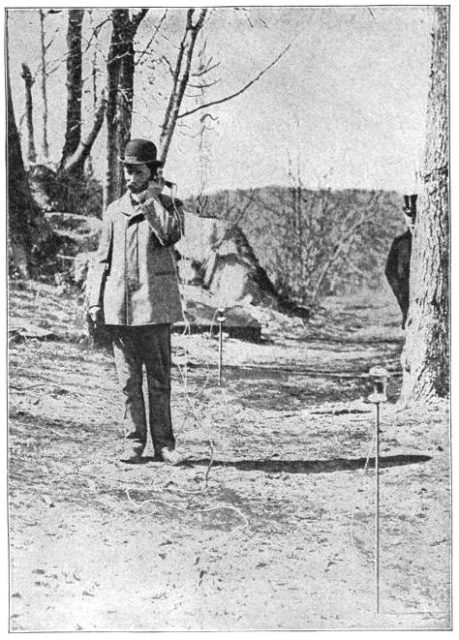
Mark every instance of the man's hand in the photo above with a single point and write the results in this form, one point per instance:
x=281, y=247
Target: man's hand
x=151, y=193
x=98, y=331
x=96, y=315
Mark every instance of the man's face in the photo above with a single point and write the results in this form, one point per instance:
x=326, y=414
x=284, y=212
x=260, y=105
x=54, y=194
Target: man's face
x=137, y=177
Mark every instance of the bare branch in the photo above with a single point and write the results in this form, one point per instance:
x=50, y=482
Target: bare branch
x=168, y=64
x=237, y=93
x=143, y=53
x=52, y=38
x=208, y=115
x=95, y=32
x=246, y=14
x=207, y=69
x=339, y=248
x=176, y=74
x=181, y=79
x=203, y=85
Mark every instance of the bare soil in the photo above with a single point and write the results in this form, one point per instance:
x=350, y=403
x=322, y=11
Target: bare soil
x=277, y=533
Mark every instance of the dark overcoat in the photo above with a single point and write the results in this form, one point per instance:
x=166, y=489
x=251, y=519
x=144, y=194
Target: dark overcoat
x=134, y=278
x=398, y=271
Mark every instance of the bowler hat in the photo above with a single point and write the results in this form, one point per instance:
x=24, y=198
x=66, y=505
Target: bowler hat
x=410, y=205
x=139, y=151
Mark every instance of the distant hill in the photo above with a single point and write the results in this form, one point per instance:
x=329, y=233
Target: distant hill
x=313, y=243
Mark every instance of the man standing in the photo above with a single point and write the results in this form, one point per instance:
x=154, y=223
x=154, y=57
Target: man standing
x=134, y=292
x=398, y=261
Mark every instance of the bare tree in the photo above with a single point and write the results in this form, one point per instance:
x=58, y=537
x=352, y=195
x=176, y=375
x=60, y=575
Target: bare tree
x=181, y=77
x=76, y=150
x=64, y=188
x=120, y=95
x=182, y=74
x=44, y=90
x=121, y=65
x=21, y=207
x=426, y=354
x=29, y=81
x=74, y=84
x=312, y=237
x=75, y=164
x=118, y=101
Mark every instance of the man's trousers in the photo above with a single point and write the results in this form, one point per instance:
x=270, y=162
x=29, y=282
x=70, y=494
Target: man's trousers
x=134, y=347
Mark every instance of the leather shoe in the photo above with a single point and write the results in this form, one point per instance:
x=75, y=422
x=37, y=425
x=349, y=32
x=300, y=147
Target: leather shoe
x=170, y=456
x=131, y=459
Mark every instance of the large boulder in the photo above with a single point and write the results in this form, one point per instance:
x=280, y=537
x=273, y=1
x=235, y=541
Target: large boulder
x=216, y=254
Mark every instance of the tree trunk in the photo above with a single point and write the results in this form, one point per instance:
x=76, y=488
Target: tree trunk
x=426, y=353
x=120, y=96
x=45, y=145
x=28, y=81
x=181, y=78
x=20, y=204
x=74, y=166
x=74, y=85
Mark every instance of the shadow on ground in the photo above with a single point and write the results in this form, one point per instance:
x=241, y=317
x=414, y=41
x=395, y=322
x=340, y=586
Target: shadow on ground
x=313, y=466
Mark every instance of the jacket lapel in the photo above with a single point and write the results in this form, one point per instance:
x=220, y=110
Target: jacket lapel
x=126, y=205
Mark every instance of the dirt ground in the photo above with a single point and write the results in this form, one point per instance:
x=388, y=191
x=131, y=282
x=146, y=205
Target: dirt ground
x=278, y=533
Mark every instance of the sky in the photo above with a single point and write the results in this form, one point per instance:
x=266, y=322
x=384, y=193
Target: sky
x=343, y=108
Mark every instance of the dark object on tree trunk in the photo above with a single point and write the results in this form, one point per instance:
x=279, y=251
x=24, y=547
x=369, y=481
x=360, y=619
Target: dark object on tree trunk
x=398, y=271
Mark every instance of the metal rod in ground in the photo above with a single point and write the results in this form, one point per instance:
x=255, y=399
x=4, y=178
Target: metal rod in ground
x=220, y=354
x=377, y=508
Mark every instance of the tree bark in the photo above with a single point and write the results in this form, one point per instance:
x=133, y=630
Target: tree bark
x=21, y=208
x=28, y=81
x=120, y=96
x=74, y=165
x=74, y=85
x=45, y=144
x=425, y=359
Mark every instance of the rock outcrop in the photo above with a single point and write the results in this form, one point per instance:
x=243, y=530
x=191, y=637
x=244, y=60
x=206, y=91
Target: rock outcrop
x=217, y=255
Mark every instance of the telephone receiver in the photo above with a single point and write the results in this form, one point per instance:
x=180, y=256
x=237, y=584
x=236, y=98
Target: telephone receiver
x=159, y=179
